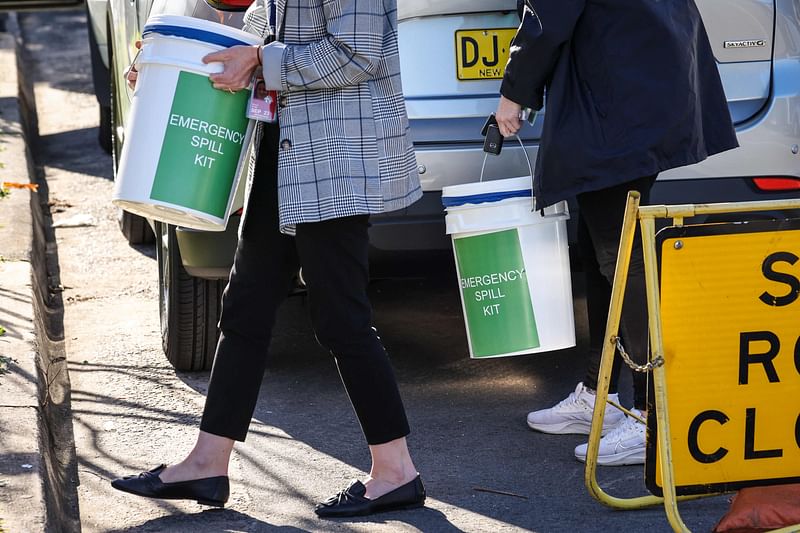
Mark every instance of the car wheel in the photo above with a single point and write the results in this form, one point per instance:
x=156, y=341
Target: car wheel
x=188, y=307
x=135, y=228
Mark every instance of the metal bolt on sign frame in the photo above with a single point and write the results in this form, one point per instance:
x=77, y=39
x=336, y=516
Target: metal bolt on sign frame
x=647, y=216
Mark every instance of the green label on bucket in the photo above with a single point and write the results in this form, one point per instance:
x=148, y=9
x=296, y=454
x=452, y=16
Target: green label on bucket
x=497, y=299
x=204, y=137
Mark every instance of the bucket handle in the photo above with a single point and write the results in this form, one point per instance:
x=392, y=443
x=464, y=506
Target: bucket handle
x=134, y=65
x=530, y=168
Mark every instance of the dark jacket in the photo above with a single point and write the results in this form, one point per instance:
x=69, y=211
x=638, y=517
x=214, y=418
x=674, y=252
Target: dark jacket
x=632, y=89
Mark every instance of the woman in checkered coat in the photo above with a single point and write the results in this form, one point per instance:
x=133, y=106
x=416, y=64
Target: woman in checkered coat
x=340, y=153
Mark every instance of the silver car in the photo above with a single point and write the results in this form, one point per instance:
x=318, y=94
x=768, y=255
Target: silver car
x=453, y=53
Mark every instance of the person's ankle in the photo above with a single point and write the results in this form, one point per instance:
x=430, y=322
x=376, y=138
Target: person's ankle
x=207, y=467
x=384, y=481
x=394, y=474
x=593, y=392
x=192, y=468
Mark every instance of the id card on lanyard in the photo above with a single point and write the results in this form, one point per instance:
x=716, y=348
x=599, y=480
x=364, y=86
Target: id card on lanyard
x=263, y=104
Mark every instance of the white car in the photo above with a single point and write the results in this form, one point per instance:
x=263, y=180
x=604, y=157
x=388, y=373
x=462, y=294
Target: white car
x=452, y=54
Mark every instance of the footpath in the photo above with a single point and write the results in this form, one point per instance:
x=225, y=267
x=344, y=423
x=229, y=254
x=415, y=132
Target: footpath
x=22, y=498
x=36, y=457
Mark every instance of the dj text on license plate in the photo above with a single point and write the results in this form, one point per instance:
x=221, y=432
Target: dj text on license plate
x=482, y=54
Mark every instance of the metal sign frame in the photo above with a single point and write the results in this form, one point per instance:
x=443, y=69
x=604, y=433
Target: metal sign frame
x=647, y=216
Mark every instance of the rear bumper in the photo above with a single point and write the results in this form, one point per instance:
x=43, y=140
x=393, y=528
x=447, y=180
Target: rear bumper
x=208, y=254
x=421, y=227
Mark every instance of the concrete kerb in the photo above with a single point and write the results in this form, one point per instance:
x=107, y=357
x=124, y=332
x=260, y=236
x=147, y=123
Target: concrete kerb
x=38, y=469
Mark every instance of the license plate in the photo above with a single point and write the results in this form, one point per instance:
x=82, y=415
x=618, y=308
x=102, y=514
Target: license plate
x=482, y=54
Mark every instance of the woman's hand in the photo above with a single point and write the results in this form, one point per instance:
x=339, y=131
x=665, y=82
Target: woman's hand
x=238, y=63
x=131, y=74
x=507, y=116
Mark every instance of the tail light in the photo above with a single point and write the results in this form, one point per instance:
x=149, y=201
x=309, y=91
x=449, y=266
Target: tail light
x=229, y=5
x=238, y=212
x=777, y=184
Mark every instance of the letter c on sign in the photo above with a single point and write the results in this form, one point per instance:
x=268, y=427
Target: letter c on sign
x=797, y=356
x=694, y=429
x=797, y=431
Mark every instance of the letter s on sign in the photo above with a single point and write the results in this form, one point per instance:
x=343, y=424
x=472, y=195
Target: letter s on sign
x=780, y=277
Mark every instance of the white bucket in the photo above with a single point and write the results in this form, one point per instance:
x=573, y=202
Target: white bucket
x=513, y=268
x=185, y=140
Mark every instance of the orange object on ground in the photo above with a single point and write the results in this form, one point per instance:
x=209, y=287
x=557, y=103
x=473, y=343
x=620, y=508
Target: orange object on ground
x=757, y=509
x=14, y=185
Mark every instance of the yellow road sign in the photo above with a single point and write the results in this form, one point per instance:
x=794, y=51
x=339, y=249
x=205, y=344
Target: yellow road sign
x=730, y=310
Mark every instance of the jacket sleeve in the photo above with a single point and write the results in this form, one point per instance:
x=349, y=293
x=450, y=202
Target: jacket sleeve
x=348, y=54
x=546, y=26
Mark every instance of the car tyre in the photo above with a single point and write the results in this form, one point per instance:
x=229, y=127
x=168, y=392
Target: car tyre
x=135, y=228
x=189, y=307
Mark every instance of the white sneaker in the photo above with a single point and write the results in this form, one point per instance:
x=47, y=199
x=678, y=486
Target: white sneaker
x=624, y=445
x=574, y=414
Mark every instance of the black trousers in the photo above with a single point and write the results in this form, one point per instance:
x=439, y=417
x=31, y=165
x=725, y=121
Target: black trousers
x=599, y=228
x=334, y=258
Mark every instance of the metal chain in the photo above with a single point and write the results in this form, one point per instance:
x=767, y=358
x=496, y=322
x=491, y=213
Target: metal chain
x=655, y=363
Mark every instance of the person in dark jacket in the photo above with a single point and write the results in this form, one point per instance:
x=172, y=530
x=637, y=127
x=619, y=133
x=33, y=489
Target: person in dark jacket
x=632, y=89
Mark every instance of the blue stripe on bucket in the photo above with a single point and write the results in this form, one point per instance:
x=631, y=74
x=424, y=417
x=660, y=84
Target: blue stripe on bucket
x=192, y=33
x=455, y=201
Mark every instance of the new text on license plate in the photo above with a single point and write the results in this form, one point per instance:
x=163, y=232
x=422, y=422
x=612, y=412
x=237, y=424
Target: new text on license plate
x=482, y=54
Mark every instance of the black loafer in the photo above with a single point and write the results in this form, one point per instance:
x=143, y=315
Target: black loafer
x=213, y=491
x=351, y=501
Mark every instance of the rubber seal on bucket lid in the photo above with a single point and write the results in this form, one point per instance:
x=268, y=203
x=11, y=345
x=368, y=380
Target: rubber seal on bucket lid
x=456, y=201
x=192, y=33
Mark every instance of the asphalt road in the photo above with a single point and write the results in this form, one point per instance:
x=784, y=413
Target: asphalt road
x=132, y=411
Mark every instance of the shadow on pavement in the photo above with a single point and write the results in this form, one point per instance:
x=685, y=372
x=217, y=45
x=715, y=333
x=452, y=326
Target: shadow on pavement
x=210, y=520
x=76, y=151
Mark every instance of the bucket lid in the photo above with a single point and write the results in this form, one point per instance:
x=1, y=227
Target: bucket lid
x=486, y=191
x=198, y=30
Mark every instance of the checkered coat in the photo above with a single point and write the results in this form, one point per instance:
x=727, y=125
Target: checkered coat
x=345, y=148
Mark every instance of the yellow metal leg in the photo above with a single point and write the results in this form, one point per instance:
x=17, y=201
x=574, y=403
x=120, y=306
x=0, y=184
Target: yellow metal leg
x=659, y=381
x=607, y=360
